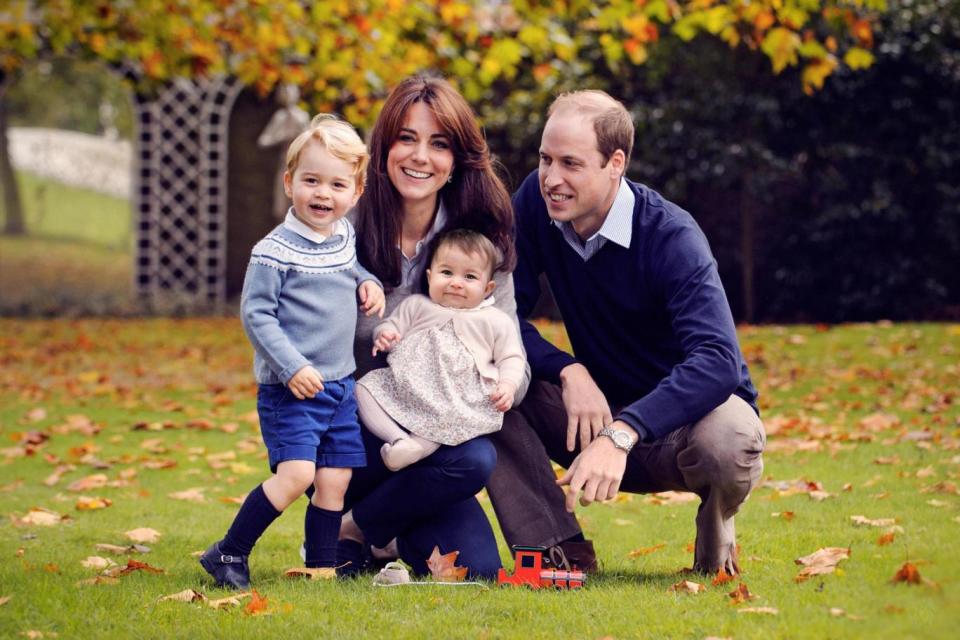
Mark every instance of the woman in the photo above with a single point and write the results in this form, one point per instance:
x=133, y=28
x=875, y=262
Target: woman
x=430, y=170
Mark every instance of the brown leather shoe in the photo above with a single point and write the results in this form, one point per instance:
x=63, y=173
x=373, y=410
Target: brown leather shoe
x=571, y=555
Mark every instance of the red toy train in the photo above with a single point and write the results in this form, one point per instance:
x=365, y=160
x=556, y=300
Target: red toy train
x=528, y=570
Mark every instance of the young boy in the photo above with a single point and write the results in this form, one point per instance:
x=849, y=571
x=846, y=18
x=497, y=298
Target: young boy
x=298, y=308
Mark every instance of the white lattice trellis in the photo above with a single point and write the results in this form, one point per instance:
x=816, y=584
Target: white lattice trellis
x=180, y=193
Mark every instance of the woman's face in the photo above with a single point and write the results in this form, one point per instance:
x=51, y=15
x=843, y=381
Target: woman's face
x=421, y=158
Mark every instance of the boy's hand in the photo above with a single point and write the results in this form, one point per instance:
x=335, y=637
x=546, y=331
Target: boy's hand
x=385, y=341
x=306, y=383
x=502, y=396
x=372, y=300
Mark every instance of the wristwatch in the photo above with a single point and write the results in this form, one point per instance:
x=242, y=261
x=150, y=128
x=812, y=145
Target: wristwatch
x=621, y=439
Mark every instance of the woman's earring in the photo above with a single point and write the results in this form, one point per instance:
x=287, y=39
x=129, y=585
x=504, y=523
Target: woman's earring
x=450, y=178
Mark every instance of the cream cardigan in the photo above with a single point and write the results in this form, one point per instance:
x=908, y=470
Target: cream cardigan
x=488, y=333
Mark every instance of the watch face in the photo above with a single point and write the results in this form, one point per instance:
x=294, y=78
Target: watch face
x=621, y=439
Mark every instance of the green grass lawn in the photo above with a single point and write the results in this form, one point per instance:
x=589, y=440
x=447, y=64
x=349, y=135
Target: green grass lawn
x=868, y=411
x=77, y=256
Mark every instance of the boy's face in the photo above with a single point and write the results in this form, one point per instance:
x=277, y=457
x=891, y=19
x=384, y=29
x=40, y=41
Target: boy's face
x=323, y=188
x=457, y=279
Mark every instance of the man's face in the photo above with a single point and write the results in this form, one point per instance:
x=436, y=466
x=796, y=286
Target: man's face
x=573, y=182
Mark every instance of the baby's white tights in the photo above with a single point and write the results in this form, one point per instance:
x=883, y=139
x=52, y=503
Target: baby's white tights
x=401, y=447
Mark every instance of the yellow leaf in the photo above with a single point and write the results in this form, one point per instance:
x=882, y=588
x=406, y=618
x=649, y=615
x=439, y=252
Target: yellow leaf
x=857, y=58
x=781, y=46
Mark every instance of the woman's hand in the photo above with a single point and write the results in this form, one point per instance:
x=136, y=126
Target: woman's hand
x=385, y=341
x=502, y=396
x=372, y=300
x=306, y=383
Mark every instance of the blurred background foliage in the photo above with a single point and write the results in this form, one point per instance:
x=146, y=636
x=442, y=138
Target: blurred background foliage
x=816, y=142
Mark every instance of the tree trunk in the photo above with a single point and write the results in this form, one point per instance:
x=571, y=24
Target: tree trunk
x=12, y=206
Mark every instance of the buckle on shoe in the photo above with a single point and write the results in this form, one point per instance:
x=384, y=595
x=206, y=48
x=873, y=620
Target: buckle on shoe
x=230, y=559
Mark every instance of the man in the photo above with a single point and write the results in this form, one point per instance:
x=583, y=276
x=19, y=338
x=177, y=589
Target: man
x=658, y=396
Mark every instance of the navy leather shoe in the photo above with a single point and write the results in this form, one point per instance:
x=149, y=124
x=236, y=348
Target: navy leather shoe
x=228, y=571
x=353, y=558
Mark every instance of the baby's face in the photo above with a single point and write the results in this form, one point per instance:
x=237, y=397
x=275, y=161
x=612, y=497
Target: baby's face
x=457, y=279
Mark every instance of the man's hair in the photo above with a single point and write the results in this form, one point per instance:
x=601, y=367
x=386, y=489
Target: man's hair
x=611, y=120
x=340, y=140
x=470, y=242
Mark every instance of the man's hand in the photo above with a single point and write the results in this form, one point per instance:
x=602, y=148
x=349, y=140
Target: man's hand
x=385, y=341
x=587, y=408
x=597, y=471
x=502, y=396
x=306, y=383
x=372, y=300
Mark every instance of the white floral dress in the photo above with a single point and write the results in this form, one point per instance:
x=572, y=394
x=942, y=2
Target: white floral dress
x=433, y=388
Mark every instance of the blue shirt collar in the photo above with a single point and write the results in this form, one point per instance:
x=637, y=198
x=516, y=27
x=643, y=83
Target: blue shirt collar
x=618, y=225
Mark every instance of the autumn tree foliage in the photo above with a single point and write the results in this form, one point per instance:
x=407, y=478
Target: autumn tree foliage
x=345, y=55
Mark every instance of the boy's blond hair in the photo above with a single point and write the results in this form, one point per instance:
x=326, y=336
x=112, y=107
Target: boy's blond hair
x=340, y=140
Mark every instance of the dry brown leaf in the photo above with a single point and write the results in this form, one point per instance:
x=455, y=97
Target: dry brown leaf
x=741, y=594
x=4, y=600
x=686, y=586
x=143, y=534
x=257, y=605
x=98, y=563
x=194, y=494
x=636, y=553
x=57, y=475
x=87, y=503
x=821, y=562
x=886, y=538
x=33, y=634
x=36, y=414
x=623, y=522
x=837, y=612
x=159, y=463
x=785, y=515
x=233, y=499
x=671, y=498
x=908, y=573
x=187, y=595
x=41, y=517
x=96, y=481
x=767, y=610
x=230, y=601
x=820, y=496
x=122, y=550
x=880, y=522
x=131, y=566
x=323, y=573
x=722, y=577
x=443, y=567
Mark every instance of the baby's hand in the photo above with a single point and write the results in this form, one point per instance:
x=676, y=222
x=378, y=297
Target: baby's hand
x=372, y=300
x=306, y=383
x=502, y=396
x=385, y=341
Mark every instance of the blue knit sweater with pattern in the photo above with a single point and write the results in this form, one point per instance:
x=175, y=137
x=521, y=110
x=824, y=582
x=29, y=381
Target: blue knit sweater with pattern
x=299, y=304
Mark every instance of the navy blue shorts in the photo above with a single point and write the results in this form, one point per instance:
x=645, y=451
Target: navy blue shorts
x=323, y=429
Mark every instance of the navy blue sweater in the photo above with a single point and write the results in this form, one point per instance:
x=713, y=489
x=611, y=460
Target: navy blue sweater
x=650, y=323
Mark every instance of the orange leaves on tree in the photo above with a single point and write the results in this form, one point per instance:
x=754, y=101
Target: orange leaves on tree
x=443, y=566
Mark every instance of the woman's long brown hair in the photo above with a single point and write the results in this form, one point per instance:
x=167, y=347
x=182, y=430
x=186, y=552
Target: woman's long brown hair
x=476, y=198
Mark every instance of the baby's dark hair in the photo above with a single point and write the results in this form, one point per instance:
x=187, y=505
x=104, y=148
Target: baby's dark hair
x=469, y=242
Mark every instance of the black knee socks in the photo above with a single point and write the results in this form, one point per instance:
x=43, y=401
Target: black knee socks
x=321, y=528
x=255, y=515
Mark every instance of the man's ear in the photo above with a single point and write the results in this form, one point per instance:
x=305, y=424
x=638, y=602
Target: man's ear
x=618, y=163
x=288, y=184
x=490, y=287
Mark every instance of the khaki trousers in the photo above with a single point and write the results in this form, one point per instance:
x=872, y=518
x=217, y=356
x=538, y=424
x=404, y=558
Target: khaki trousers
x=718, y=458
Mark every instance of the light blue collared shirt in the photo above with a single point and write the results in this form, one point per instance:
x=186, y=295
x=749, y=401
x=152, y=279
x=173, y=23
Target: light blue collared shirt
x=617, y=227
x=412, y=268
